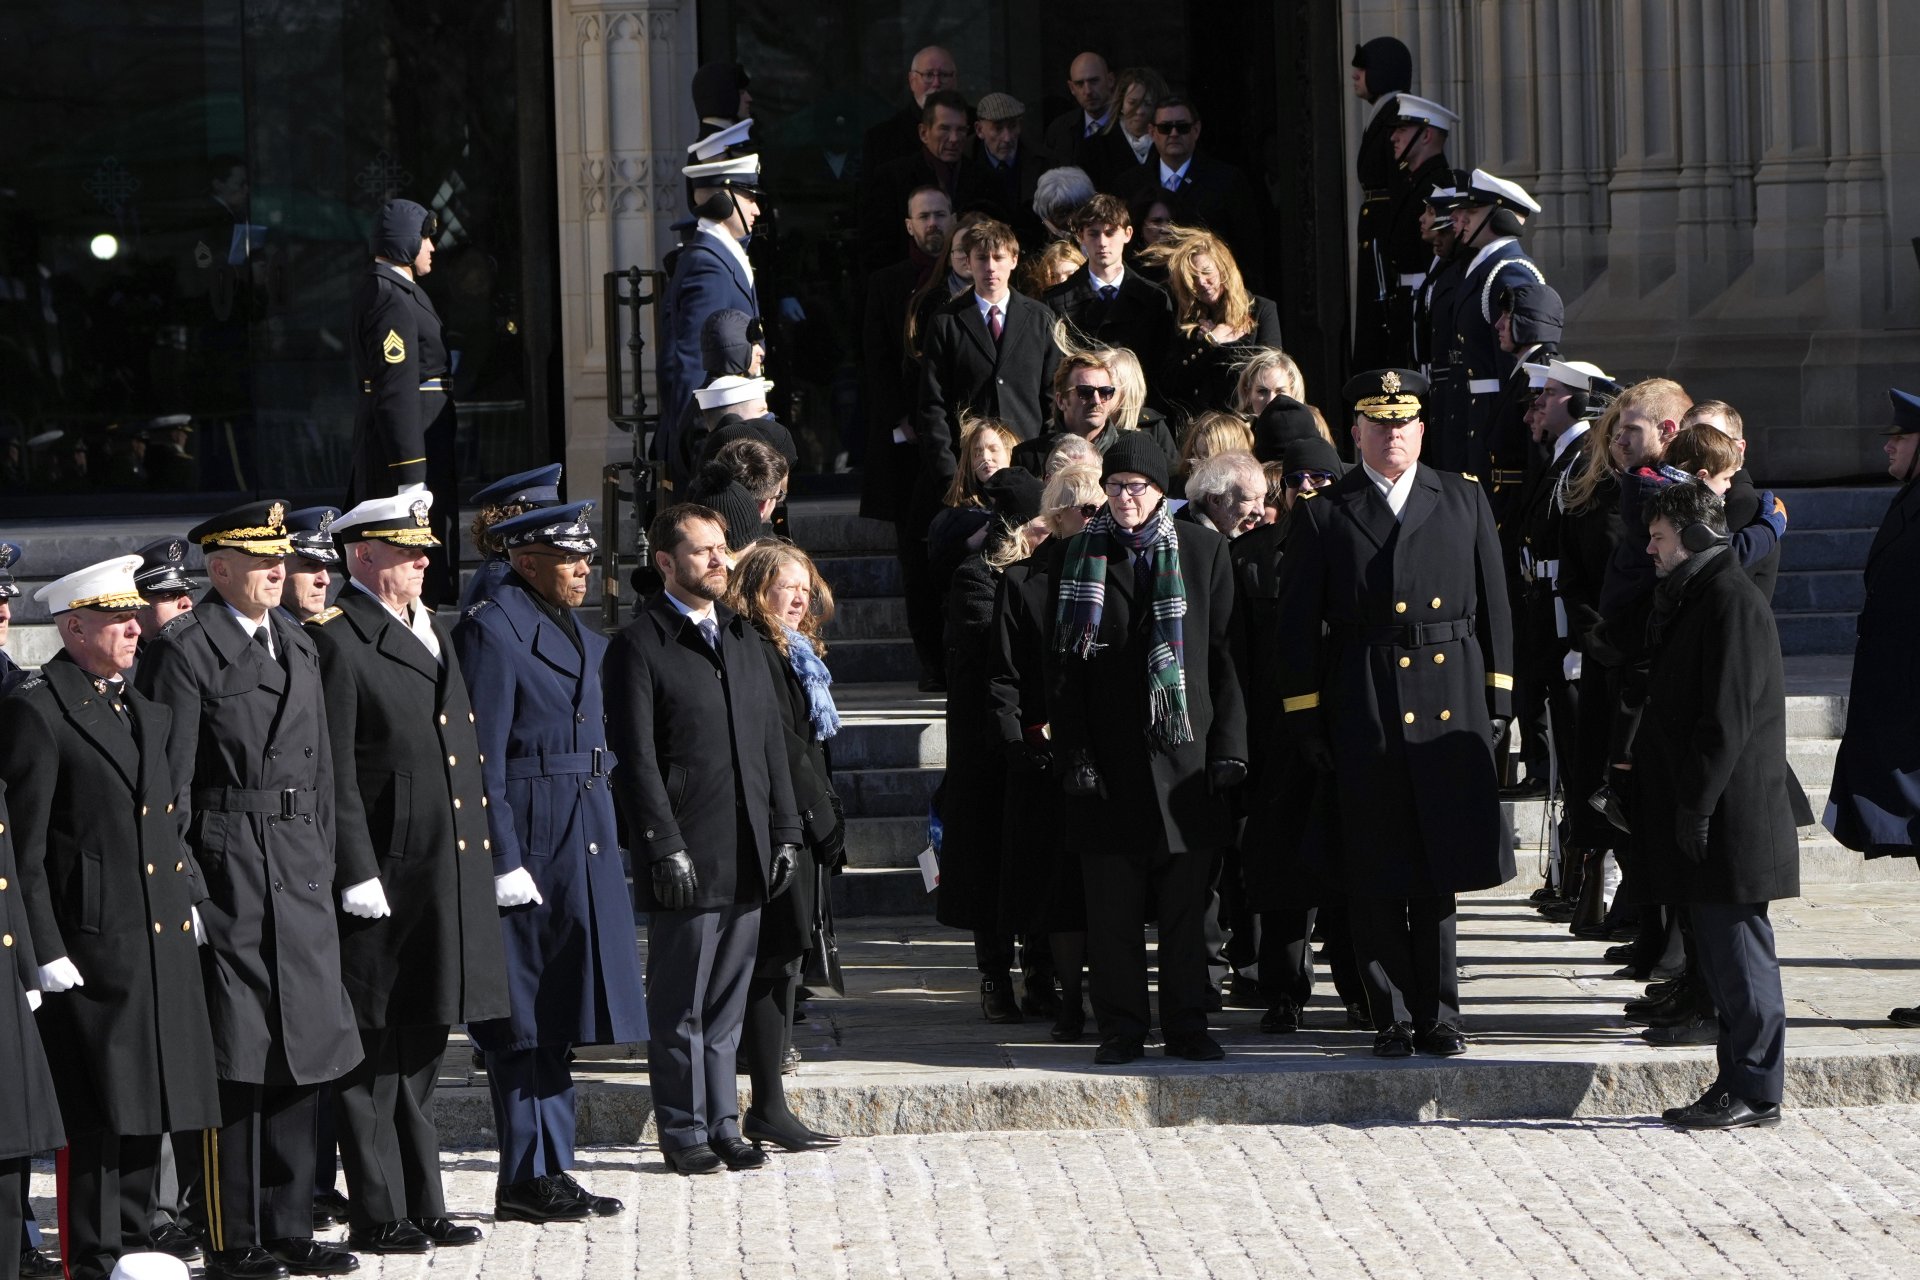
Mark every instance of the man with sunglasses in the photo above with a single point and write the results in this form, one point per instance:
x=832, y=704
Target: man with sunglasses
x=1086, y=403
x=1219, y=195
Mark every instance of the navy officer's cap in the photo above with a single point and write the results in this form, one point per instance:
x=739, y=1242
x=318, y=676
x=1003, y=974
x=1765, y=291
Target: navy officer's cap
x=538, y=487
x=1906, y=413
x=563, y=528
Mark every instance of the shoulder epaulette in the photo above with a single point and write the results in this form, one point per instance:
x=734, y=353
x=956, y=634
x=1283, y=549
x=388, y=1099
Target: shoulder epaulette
x=325, y=616
x=1467, y=475
x=473, y=610
x=33, y=681
x=178, y=621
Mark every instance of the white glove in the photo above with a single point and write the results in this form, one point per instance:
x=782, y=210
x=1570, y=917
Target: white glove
x=515, y=889
x=60, y=975
x=199, y=930
x=33, y=1002
x=1570, y=665
x=368, y=900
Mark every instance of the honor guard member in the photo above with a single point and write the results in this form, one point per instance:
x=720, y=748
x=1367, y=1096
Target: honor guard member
x=1486, y=224
x=11, y=672
x=164, y=583
x=710, y=273
x=250, y=735
x=1443, y=272
x=559, y=879
x=110, y=890
x=1527, y=321
x=314, y=563
x=29, y=1105
x=1382, y=71
x=505, y=497
x=403, y=426
x=1394, y=673
x=419, y=933
x=1874, y=806
x=1419, y=140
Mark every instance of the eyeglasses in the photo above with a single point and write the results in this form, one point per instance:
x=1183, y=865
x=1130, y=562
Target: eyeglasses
x=1308, y=479
x=1173, y=126
x=1132, y=488
x=1088, y=394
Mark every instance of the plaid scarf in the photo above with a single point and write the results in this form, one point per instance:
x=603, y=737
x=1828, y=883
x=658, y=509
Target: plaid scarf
x=1083, y=597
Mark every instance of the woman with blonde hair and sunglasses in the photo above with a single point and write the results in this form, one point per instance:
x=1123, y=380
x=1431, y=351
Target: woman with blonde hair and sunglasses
x=1220, y=323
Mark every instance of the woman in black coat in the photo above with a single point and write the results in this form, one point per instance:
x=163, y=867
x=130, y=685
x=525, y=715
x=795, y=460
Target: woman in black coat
x=777, y=589
x=1221, y=325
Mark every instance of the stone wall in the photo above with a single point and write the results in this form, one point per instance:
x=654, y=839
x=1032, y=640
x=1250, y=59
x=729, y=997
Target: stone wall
x=1730, y=194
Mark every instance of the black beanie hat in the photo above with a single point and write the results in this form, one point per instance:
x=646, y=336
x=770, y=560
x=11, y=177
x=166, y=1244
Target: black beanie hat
x=1283, y=421
x=716, y=90
x=1388, y=64
x=1313, y=454
x=1013, y=493
x=727, y=338
x=397, y=235
x=1136, y=452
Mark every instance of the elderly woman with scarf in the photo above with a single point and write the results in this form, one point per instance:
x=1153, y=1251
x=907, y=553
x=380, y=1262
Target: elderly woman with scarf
x=1150, y=734
x=777, y=589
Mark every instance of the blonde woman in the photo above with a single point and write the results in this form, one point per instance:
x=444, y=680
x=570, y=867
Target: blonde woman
x=1211, y=433
x=1265, y=374
x=1220, y=323
x=1053, y=265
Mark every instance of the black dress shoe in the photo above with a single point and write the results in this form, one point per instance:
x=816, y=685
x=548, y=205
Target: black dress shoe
x=329, y=1207
x=790, y=1062
x=1905, y=1017
x=1545, y=893
x=391, y=1237
x=996, y=1001
x=35, y=1265
x=1040, y=1000
x=1621, y=954
x=1682, y=1008
x=252, y=1263
x=1696, y=1030
x=171, y=1237
x=1358, y=1017
x=538, y=1200
x=1195, y=1046
x=1724, y=1111
x=692, y=1160
x=796, y=1139
x=310, y=1257
x=930, y=683
x=1528, y=788
x=1282, y=1019
x=1559, y=913
x=1396, y=1041
x=1071, y=1022
x=1117, y=1051
x=1441, y=1040
x=737, y=1153
x=598, y=1206
x=448, y=1234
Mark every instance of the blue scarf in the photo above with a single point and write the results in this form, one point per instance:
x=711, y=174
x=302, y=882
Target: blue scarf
x=814, y=677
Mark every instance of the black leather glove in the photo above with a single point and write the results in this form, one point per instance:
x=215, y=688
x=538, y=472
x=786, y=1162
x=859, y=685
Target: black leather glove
x=786, y=857
x=1497, y=725
x=1690, y=833
x=1225, y=775
x=1028, y=760
x=674, y=882
x=1080, y=777
x=1317, y=752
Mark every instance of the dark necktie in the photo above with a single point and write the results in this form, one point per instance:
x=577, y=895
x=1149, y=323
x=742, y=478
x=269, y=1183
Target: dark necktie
x=994, y=326
x=710, y=632
x=114, y=692
x=1108, y=292
x=261, y=638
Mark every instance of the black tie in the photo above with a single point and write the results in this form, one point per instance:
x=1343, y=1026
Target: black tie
x=1108, y=292
x=265, y=641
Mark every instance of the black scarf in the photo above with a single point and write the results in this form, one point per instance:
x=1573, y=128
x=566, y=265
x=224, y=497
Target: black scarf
x=1671, y=592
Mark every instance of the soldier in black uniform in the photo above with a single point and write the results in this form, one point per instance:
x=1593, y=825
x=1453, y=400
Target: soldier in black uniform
x=110, y=891
x=1382, y=70
x=1527, y=322
x=403, y=426
x=250, y=731
x=315, y=561
x=164, y=583
x=1393, y=661
x=1443, y=273
x=420, y=943
x=1419, y=139
x=11, y=672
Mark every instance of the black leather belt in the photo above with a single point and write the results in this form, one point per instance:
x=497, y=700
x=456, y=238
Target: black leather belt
x=1410, y=635
x=594, y=763
x=292, y=802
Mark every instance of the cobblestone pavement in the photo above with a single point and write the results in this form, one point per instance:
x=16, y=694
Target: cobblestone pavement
x=1828, y=1193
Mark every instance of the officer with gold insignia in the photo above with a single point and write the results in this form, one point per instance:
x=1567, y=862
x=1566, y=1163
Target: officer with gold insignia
x=403, y=422
x=250, y=734
x=1393, y=659
x=314, y=564
x=11, y=672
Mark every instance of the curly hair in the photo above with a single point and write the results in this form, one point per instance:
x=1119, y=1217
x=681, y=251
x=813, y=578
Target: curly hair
x=488, y=516
x=753, y=577
x=1181, y=252
x=964, y=491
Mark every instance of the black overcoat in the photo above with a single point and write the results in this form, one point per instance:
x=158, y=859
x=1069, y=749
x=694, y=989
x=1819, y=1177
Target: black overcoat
x=699, y=742
x=963, y=371
x=403, y=409
x=1200, y=375
x=1157, y=801
x=1140, y=317
x=573, y=972
x=1713, y=740
x=29, y=1107
x=256, y=804
x=109, y=885
x=971, y=821
x=1874, y=806
x=410, y=809
x=786, y=925
x=1413, y=659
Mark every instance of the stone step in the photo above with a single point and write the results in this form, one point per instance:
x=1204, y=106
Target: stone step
x=1825, y=548
x=861, y=575
x=1819, y=591
x=885, y=843
x=1804, y=633
x=887, y=793
x=873, y=662
x=875, y=743
x=862, y=892
x=1816, y=715
x=834, y=526
x=1812, y=762
x=1838, y=507
x=867, y=618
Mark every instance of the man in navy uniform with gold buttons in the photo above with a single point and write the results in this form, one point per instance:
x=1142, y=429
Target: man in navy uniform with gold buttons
x=1400, y=698
x=250, y=734
x=11, y=672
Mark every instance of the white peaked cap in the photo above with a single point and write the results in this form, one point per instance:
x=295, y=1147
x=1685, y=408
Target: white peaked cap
x=1577, y=374
x=733, y=388
x=1487, y=189
x=1426, y=111
x=716, y=144
x=106, y=585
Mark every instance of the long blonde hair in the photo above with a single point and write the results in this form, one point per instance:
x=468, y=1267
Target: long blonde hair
x=964, y=490
x=753, y=577
x=1181, y=251
x=1596, y=461
x=1210, y=433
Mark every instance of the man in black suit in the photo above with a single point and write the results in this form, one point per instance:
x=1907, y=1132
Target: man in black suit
x=1219, y=195
x=895, y=138
x=1090, y=80
x=988, y=353
x=420, y=945
x=940, y=160
x=889, y=385
x=1008, y=169
x=703, y=787
x=1105, y=302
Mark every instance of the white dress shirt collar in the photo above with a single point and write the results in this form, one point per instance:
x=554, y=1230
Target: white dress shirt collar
x=729, y=244
x=249, y=626
x=1120, y=273
x=1395, y=492
x=696, y=616
x=420, y=624
x=1568, y=437
x=1168, y=175
x=986, y=306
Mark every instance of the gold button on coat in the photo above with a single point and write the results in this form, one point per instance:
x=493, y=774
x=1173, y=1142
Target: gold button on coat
x=6, y=940
x=452, y=761
x=3, y=884
x=1409, y=717
x=1406, y=662
x=1434, y=603
x=186, y=926
x=1400, y=606
x=1439, y=659
x=456, y=802
x=156, y=926
x=463, y=846
x=1446, y=715
x=443, y=717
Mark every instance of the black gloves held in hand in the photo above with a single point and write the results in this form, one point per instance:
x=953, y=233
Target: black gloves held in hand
x=1225, y=775
x=1028, y=760
x=780, y=872
x=832, y=849
x=1690, y=832
x=674, y=882
x=1080, y=777
x=1497, y=726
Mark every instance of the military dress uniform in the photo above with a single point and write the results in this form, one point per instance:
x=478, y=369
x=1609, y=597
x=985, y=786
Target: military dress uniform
x=250, y=732
x=12, y=673
x=1388, y=66
x=1404, y=255
x=1400, y=691
x=29, y=1104
x=572, y=968
x=1434, y=297
x=109, y=889
x=410, y=832
x=512, y=495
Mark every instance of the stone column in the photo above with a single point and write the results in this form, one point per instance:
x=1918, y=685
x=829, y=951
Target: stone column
x=1711, y=245
x=1790, y=195
x=1644, y=189
x=623, y=116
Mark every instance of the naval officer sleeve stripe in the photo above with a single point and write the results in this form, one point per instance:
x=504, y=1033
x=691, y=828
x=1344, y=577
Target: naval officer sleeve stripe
x=1497, y=681
x=1305, y=702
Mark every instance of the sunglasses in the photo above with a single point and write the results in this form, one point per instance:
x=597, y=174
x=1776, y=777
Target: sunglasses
x=1173, y=126
x=1308, y=479
x=1089, y=394
x=1132, y=488
x=1088, y=510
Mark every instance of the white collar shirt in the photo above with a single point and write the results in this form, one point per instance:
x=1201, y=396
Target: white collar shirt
x=1171, y=178
x=1568, y=437
x=729, y=245
x=249, y=626
x=420, y=623
x=1394, y=491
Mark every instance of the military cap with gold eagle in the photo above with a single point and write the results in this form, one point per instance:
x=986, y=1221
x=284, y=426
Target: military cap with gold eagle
x=107, y=586
x=400, y=520
x=255, y=528
x=1386, y=395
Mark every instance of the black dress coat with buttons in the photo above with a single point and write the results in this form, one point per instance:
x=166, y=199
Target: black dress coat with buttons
x=1397, y=645
x=109, y=885
x=408, y=808
x=397, y=349
x=1140, y=317
x=699, y=743
x=29, y=1107
x=964, y=371
x=787, y=924
x=573, y=971
x=256, y=803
